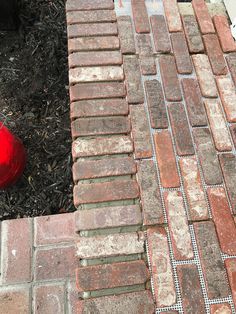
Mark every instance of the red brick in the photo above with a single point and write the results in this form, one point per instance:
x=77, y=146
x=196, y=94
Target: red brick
x=205, y=75
x=233, y=133
x=110, y=245
x=55, y=263
x=93, y=43
x=113, y=275
x=224, y=33
x=49, y=299
x=108, y=217
x=230, y=265
x=228, y=97
x=160, y=34
x=170, y=78
x=92, y=58
x=218, y=125
x=224, y=222
x=191, y=293
x=215, y=54
x=228, y=165
x=150, y=193
x=194, y=190
x=105, y=191
x=140, y=132
x=156, y=104
x=92, y=29
x=166, y=160
x=100, y=126
x=83, y=147
x=172, y=15
x=135, y=93
x=211, y=261
x=192, y=33
x=180, y=49
x=221, y=308
x=76, y=17
x=207, y=155
x=231, y=60
x=97, y=90
x=177, y=220
x=194, y=103
x=98, y=108
x=16, y=251
x=147, y=61
x=15, y=300
x=54, y=229
x=136, y=303
x=148, y=65
x=203, y=16
x=162, y=274
x=179, y=124
x=126, y=34
x=74, y=5
x=140, y=15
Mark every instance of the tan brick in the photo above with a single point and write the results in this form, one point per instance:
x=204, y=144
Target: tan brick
x=182, y=57
x=172, y=15
x=224, y=33
x=93, y=43
x=93, y=58
x=15, y=300
x=91, y=29
x=140, y=16
x=203, y=16
x=230, y=265
x=221, y=308
x=160, y=34
x=126, y=34
x=74, y=17
x=74, y=5
x=192, y=33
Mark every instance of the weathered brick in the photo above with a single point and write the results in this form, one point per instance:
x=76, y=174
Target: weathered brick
x=140, y=15
x=93, y=43
x=76, y=17
x=177, y=220
x=130, y=303
x=160, y=34
x=230, y=265
x=105, y=191
x=194, y=103
x=55, y=263
x=91, y=29
x=97, y=90
x=233, y=133
x=15, y=300
x=72, y=297
x=108, y=217
x=74, y=5
x=16, y=251
x=205, y=75
x=98, y=108
x=180, y=128
x=207, y=155
x=163, y=281
x=228, y=165
x=231, y=60
x=88, y=169
x=126, y=34
x=83, y=147
x=156, y=104
x=218, y=125
x=224, y=222
x=215, y=54
x=191, y=293
x=203, y=16
x=180, y=49
x=148, y=65
x=135, y=93
x=110, y=245
x=99, y=126
x=49, y=299
x=113, y=275
x=54, y=229
x=147, y=61
x=221, y=308
x=211, y=261
x=140, y=132
x=166, y=160
x=170, y=78
x=172, y=15
x=192, y=33
x=224, y=33
x=150, y=193
x=228, y=97
x=193, y=189
x=92, y=58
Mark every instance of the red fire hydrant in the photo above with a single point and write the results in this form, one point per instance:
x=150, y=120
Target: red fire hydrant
x=12, y=157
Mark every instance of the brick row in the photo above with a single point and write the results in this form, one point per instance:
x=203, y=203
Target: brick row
x=140, y=15
x=160, y=34
x=192, y=33
x=126, y=35
x=92, y=29
x=224, y=33
x=93, y=43
x=147, y=61
x=180, y=49
x=81, y=5
x=172, y=15
x=94, y=58
x=96, y=16
x=203, y=16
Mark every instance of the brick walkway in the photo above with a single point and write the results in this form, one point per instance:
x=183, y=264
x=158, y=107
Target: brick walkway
x=154, y=148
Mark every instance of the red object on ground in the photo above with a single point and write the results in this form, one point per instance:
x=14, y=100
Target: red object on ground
x=12, y=157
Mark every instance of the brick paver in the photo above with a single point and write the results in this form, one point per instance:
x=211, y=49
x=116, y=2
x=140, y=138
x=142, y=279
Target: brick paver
x=224, y=33
x=126, y=34
x=203, y=16
x=231, y=60
x=140, y=15
x=192, y=33
x=172, y=15
x=160, y=34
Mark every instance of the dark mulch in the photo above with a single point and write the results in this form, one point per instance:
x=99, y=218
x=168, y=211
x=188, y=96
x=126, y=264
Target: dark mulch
x=34, y=97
